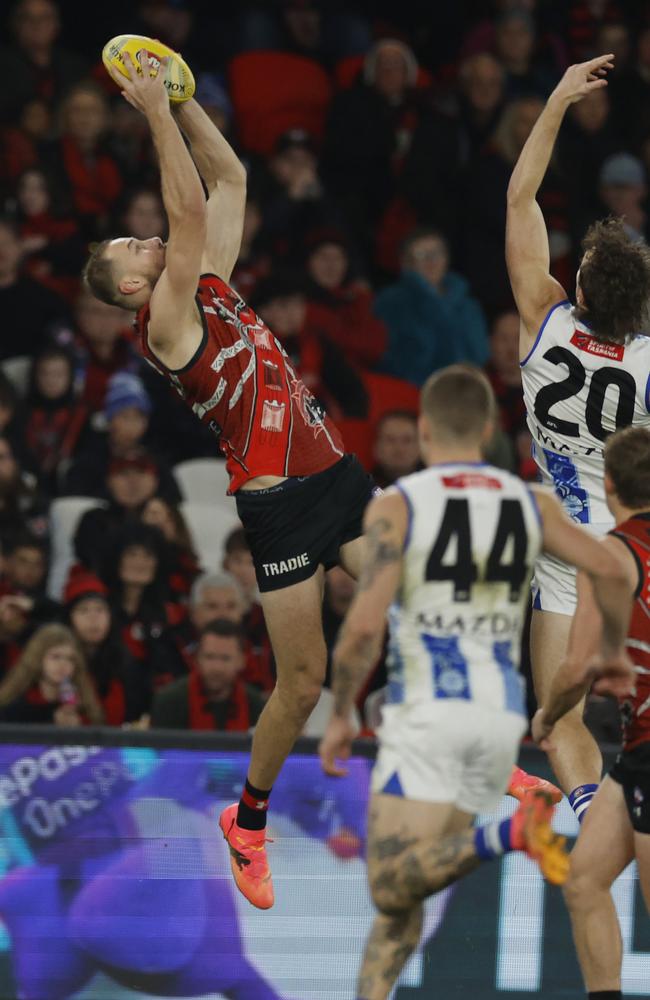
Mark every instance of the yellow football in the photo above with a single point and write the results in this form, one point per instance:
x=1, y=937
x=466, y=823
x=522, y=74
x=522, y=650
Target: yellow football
x=178, y=77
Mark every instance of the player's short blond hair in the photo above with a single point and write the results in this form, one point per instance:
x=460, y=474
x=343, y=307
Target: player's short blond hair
x=99, y=277
x=459, y=403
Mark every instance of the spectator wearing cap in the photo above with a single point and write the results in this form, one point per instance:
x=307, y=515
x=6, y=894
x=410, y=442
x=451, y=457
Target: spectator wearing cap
x=102, y=347
x=337, y=303
x=220, y=595
x=132, y=480
x=136, y=574
x=335, y=383
x=120, y=684
x=432, y=319
x=292, y=196
x=55, y=416
x=623, y=191
x=369, y=132
x=213, y=696
x=127, y=410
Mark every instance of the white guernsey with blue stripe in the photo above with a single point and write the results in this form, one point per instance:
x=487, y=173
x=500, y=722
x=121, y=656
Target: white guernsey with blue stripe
x=577, y=391
x=455, y=629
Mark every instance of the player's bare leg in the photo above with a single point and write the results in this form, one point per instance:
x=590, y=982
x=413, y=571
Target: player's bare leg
x=604, y=848
x=415, y=849
x=393, y=835
x=642, y=855
x=294, y=622
x=576, y=759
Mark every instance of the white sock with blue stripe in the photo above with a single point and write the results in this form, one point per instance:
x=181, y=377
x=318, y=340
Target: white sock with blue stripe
x=493, y=840
x=580, y=799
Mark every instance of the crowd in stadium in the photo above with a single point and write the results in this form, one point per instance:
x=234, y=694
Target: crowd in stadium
x=378, y=154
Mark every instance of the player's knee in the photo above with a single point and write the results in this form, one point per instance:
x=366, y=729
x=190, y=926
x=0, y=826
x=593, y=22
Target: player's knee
x=389, y=900
x=300, y=697
x=579, y=889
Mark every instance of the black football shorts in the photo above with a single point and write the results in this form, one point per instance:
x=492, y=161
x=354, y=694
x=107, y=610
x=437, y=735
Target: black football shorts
x=631, y=771
x=301, y=524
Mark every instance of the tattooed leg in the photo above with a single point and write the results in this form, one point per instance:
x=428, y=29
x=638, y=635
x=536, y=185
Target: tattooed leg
x=407, y=857
x=392, y=941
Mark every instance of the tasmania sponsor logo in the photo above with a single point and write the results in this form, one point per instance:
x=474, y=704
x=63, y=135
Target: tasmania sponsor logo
x=585, y=342
x=286, y=565
x=471, y=481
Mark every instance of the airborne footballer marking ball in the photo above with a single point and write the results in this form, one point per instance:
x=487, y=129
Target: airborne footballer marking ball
x=178, y=78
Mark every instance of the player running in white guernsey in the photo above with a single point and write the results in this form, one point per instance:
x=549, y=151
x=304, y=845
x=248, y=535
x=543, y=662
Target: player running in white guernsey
x=453, y=547
x=585, y=374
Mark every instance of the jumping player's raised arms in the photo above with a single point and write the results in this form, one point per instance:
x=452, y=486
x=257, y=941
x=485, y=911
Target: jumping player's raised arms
x=300, y=498
x=584, y=375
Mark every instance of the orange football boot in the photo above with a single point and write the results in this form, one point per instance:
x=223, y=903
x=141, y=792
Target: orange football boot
x=532, y=833
x=521, y=784
x=248, y=860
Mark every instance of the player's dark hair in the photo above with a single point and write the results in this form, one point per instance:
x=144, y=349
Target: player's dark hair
x=225, y=629
x=627, y=462
x=98, y=275
x=459, y=402
x=615, y=283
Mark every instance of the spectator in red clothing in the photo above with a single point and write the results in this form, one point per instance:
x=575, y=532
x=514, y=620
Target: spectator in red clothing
x=81, y=161
x=214, y=695
x=136, y=574
x=30, y=311
x=280, y=301
x=53, y=251
x=36, y=65
x=219, y=595
x=132, y=479
x=396, y=447
x=50, y=682
x=504, y=372
x=56, y=418
x=339, y=305
x=184, y=564
x=104, y=346
x=119, y=682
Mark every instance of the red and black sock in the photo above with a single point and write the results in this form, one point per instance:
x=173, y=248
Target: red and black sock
x=251, y=814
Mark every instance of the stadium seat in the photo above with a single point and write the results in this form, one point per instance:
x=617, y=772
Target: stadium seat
x=17, y=371
x=358, y=437
x=209, y=525
x=316, y=724
x=386, y=393
x=65, y=514
x=203, y=480
x=273, y=92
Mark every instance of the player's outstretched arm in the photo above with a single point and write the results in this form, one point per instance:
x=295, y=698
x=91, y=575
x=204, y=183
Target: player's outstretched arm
x=603, y=564
x=172, y=301
x=361, y=637
x=224, y=176
x=527, y=249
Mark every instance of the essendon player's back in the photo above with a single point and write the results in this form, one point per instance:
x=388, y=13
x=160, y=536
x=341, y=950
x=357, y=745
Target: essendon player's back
x=241, y=384
x=455, y=633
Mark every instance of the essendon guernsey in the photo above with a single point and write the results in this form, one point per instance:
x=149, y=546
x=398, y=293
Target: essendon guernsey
x=635, y=710
x=241, y=383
